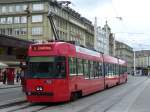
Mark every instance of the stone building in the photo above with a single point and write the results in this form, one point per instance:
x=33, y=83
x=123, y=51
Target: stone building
x=101, y=40
x=125, y=52
x=27, y=19
x=142, y=58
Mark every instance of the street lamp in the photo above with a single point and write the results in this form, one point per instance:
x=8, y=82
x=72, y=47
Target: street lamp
x=134, y=66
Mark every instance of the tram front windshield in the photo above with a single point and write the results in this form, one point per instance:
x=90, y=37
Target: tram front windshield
x=47, y=67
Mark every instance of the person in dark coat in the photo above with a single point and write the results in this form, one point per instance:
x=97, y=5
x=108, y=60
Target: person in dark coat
x=18, y=76
x=4, y=76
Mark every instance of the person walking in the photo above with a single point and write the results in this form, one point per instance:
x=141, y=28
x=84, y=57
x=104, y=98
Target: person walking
x=4, y=76
x=22, y=77
x=23, y=81
x=18, y=76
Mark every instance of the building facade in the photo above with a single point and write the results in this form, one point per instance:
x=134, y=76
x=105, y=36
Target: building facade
x=142, y=59
x=125, y=52
x=112, y=44
x=107, y=31
x=27, y=19
x=101, y=42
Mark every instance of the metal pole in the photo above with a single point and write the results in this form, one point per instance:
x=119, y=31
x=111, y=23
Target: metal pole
x=134, y=63
x=114, y=46
x=107, y=51
x=27, y=27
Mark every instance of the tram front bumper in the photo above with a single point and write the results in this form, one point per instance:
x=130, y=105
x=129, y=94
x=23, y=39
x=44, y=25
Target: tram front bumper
x=39, y=94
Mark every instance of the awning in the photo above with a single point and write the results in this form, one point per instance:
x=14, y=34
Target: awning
x=2, y=65
x=6, y=64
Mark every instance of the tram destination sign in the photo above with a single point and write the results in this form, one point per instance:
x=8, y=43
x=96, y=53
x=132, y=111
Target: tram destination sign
x=41, y=47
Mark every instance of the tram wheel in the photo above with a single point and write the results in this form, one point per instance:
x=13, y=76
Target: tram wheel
x=75, y=96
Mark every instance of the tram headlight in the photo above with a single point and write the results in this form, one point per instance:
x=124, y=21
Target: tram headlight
x=39, y=88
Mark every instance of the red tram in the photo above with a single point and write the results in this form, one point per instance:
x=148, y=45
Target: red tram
x=60, y=71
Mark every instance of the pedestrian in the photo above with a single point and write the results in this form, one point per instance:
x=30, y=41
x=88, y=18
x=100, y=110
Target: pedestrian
x=4, y=76
x=22, y=77
x=10, y=76
x=23, y=81
x=18, y=76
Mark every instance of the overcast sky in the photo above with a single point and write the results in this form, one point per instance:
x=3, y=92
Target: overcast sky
x=133, y=29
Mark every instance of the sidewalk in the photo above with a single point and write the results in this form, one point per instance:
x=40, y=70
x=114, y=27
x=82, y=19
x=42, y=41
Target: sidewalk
x=11, y=100
x=6, y=86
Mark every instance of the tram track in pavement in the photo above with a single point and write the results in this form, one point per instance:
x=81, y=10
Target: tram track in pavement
x=107, y=108
x=22, y=107
x=12, y=104
x=39, y=107
x=115, y=101
x=35, y=107
x=140, y=87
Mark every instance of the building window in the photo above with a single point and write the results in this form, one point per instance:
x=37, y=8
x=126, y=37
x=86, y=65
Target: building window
x=10, y=31
x=24, y=7
x=3, y=20
x=17, y=31
x=10, y=9
x=2, y=31
x=23, y=31
x=38, y=7
x=37, y=31
x=9, y=20
x=18, y=8
x=4, y=9
x=16, y=19
x=23, y=19
x=37, y=18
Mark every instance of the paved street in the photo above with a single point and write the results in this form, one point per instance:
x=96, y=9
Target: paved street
x=10, y=94
x=131, y=97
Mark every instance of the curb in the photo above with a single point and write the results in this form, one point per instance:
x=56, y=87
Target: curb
x=10, y=87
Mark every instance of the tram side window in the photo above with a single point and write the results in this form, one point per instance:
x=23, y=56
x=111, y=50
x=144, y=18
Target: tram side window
x=110, y=70
x=112, y=65
x=95, y=69
x=106, y=69
x=86, y=71
x=117, y=70
x=80, y=66
x=72, y=66
x=125, y=69
x=121, y=70
x=100, y=70
x=90, y=68
x=114, y=69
